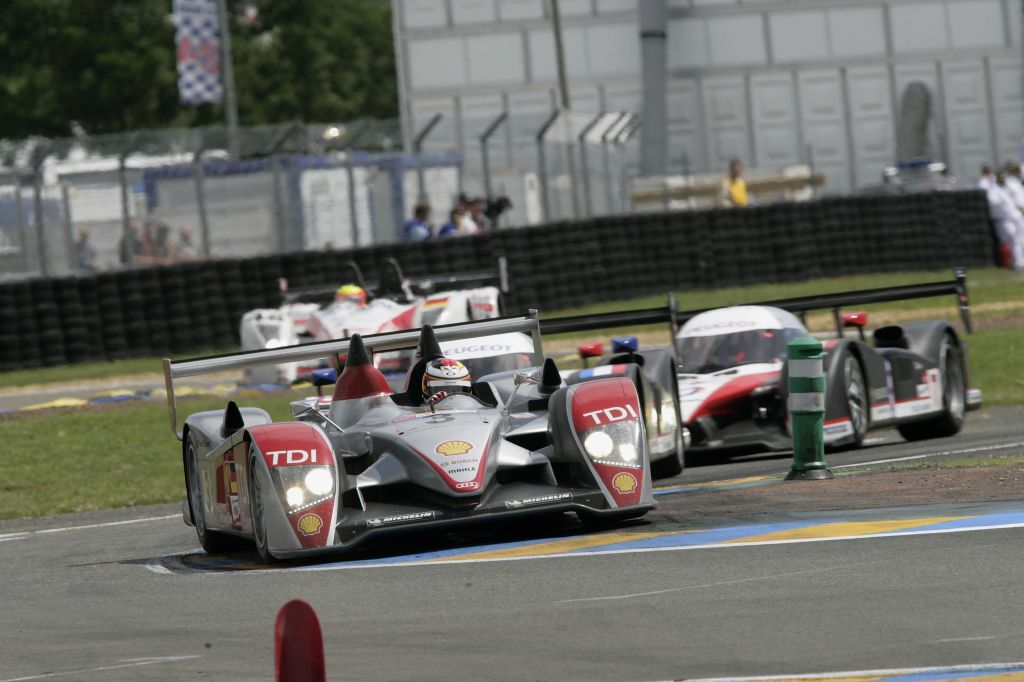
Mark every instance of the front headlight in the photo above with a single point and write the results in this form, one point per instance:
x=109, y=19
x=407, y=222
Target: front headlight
x=627, y=451
x=295, y=496
x=304, y=486
x=319, y=481
x=599, y=444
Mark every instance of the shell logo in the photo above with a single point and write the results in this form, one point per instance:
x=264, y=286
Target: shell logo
x=624, y=483
x=450, y=448
x=309, y=524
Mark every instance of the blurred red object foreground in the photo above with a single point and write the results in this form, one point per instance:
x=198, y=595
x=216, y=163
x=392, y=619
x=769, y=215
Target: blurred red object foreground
x=298, y=644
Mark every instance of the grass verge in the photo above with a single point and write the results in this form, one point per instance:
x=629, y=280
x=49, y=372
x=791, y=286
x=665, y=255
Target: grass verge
x=98, y=458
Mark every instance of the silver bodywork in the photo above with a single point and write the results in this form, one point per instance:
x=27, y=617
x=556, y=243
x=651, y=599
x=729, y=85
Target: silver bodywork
x=396, y=466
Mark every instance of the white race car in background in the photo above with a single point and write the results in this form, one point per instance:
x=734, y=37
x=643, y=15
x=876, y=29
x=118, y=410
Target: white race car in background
x=396, y=303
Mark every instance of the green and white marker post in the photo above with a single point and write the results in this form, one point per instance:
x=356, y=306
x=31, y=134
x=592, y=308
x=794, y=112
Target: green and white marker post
x=807, y=410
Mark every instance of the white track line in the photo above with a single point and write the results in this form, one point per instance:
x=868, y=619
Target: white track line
x=697, y=587
x=1004, y=446
x=124, y=663
x=24, y=534
x=885, y=672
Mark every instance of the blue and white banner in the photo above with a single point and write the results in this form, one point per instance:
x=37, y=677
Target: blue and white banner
x=198, y=40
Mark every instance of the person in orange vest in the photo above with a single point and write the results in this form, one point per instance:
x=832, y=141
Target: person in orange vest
x=734, y=188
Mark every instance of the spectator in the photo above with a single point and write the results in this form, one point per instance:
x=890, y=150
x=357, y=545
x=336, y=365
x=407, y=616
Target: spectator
x=451, y=228
x=466, y=223
x=1009, y=222
x=476, y=212
x=418, y=228
x=1013, y=184
x=734, y=187
x=987, y=180
x=184, y=249
x=162, y=244
x=131, y=245
x=85, y=252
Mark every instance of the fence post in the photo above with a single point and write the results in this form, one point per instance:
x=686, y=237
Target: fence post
x=418, y=151
x=807, y=410
x=198, y=177
x=39, y=156
x=609, y=180
x=484, y=139
x=588, y=209
x=545, y=201
x=69, y=227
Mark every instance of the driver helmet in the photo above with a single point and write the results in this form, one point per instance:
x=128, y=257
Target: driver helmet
x=443, y=374
x=350, y=293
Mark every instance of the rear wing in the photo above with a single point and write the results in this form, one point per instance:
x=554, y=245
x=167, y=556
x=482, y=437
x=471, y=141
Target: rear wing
x=799, y=306
x=395, y=283
x=402, y=340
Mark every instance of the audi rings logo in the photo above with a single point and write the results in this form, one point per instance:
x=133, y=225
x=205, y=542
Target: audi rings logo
x=467, y=485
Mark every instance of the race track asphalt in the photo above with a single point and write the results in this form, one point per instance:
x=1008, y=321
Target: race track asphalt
x=124, y=595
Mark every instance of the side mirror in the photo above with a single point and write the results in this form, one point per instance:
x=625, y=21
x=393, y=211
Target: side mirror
x=858, y=320
x=625, y=344
x=525, y=377
x=590, y=350
x=855, y=319
x=323, y=377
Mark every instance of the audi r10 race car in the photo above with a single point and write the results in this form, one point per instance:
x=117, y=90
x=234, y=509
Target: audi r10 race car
x=732, y=373
x=396, y=303
x=368, y=461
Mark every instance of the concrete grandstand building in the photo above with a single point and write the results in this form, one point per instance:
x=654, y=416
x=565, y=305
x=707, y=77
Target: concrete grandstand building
x=773, y=82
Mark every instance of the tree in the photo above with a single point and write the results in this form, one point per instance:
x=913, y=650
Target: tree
x=109, y=65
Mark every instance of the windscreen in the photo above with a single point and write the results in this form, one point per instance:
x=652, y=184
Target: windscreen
x=706, y=354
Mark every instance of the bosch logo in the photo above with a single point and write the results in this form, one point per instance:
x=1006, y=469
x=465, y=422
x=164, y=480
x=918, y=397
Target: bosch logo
x=292, y=457
x=610, y=415
x=467, y=485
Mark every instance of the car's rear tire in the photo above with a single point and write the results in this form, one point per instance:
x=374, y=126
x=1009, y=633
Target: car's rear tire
x=211, y=541
x=857, y=405
x=954, y=399
x=257, y=512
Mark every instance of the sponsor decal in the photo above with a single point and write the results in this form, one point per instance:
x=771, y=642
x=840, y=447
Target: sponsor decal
x=309, y=524
x=460, y=470
x=450, y=448
x=403, y=418
x=543, y=499
x=435, y=303
x=292, y=456
x=467, y=485
x=461, y=461
x=624, y=483
x=603, y=371
x=724, y=324
x=482, y=348
x=399, y=518
x=484, y=306
x=610, y=415
x=689, y=391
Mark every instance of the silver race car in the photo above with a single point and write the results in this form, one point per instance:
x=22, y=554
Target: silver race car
x=366, y=461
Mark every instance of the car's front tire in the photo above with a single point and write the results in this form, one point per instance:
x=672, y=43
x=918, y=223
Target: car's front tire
x=211, y=541
x=257, y=511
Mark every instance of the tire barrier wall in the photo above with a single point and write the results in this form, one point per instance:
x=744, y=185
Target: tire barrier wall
x=197, y=306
